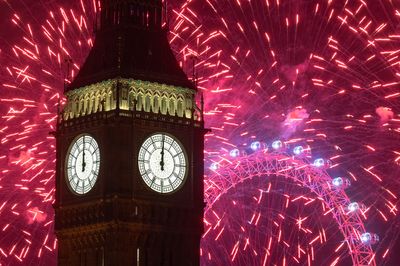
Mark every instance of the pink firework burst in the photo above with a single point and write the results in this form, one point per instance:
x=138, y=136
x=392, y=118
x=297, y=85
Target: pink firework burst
x=321, y=74
x=324, y=73
x=34, y=55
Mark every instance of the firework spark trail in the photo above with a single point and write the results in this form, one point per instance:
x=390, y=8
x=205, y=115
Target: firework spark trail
x=32, y=82
x=321, y=73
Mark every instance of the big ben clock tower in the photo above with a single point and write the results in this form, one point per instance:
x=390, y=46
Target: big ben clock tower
x=129, y=179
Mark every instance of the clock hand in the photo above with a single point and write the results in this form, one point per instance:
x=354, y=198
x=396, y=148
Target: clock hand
x=162, y=153
x=83, y=159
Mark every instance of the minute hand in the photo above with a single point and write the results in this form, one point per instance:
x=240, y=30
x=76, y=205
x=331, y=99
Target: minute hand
x=162, y=153
x=83, y=156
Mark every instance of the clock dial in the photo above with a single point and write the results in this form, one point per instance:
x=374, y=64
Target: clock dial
x=83, y=164
x=162, y=163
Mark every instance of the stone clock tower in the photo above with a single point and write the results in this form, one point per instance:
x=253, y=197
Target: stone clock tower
x=129, y=179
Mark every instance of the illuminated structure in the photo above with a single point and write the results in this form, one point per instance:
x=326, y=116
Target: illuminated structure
x=130, y=144
x=267, y=164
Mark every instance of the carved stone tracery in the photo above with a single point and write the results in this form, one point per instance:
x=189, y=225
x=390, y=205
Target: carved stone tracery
x=144, y=96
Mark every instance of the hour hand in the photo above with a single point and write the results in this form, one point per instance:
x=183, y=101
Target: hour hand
x=162, y=161
x=83, y=161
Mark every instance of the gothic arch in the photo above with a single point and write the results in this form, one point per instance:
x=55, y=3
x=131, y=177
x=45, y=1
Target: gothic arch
x=179, y=107
x=164, y=104
x=156, y=103
x=172, y=104
x=148, y=103
x=131, y=100
x=139, y=101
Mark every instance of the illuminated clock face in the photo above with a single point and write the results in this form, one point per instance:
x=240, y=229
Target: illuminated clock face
x=83, y=164
x=162, y=163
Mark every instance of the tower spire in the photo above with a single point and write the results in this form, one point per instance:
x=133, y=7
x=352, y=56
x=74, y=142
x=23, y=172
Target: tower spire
x=131, y=42
x=145, y=14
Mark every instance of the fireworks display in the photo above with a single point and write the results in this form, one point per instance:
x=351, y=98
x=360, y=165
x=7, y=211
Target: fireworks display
x=34, y=52
x=319, y=74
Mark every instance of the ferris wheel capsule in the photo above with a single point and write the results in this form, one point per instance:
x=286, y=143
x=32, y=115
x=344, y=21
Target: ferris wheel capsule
x=256, y=145
x=341, y=182
x=322, y=163
x=234, y=153
x=319, y=162
x=277, y=145
x=298, y=150
x=355, y=206
x=369, y=238
x=214, y=166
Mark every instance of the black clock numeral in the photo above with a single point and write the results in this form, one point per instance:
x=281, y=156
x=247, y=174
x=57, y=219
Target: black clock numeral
x=174, y=174
x=170, y=183
x=172, y=145
x=76, y=185
x=154, y=145
x=177, y=154
x=95, y=150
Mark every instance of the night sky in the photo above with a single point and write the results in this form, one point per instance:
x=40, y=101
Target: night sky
x=323, y=75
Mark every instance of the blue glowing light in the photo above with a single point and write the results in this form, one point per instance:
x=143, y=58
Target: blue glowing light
x=337, y=182
x=298, y=150
x=354, y=206
x=341, y=182
x=368, y=238
x=256, y=145
x=234, y=153
x=319, y=162
x=214, y=166
x=277, y=144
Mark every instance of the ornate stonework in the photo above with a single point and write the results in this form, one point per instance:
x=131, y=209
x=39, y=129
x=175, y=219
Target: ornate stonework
x=146, y=96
